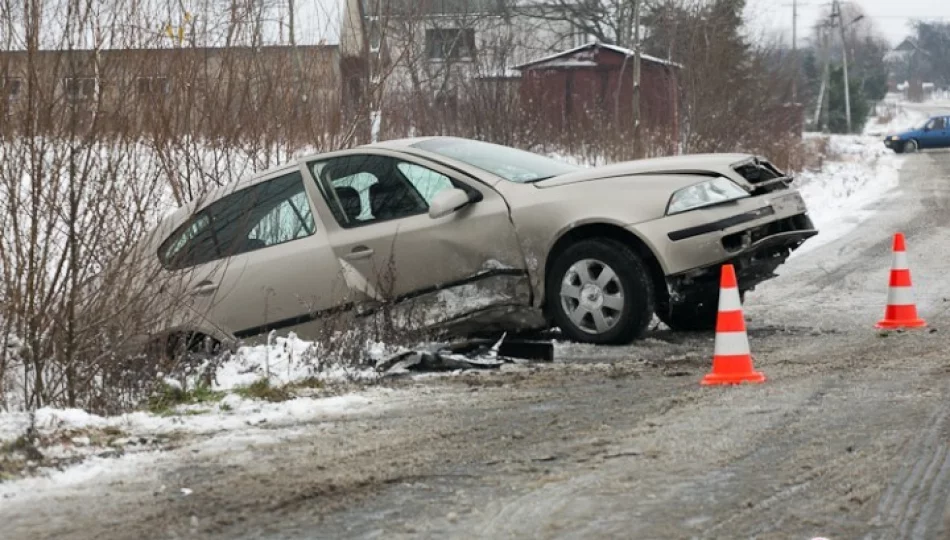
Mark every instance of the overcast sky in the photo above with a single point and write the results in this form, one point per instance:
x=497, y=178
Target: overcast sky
x=891, y=17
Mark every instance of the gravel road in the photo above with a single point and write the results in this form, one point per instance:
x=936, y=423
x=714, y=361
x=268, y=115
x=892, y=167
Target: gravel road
x=847, y=439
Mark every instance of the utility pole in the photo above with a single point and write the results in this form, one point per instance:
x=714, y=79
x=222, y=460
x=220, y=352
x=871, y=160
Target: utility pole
x=795, y=50
x=636, y=76
x=838, y=18
x=821, y=111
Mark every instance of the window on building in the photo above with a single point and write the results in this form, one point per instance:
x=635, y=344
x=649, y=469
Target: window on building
x=153, y=86
x=450, y=43
x=448, y=7
x=12, y=86
x=80, y=88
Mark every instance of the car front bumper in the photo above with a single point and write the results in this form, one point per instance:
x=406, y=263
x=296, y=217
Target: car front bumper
x=756, y=234
x=892, y=144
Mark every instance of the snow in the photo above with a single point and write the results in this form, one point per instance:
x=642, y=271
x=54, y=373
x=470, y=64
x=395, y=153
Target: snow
x=231, y=413
x=74, y=435
x=287, y=360
x=901, y=119
x=859, y=172
x=547, y=60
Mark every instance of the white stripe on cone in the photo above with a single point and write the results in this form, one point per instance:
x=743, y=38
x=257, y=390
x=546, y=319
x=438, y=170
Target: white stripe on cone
x=900, y=296
x=731, y=344
x=729, y=300
x=900, y=261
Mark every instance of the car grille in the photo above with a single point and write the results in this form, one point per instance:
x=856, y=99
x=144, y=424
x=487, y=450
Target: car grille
x=737, y=241
x=756, y=171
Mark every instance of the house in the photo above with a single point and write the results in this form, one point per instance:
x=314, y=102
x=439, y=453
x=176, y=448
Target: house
x=434, y=44
x=591, y=86
x=907, y=62
x=304, y=71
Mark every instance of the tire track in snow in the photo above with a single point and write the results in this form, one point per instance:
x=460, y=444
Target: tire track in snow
x=919, y=487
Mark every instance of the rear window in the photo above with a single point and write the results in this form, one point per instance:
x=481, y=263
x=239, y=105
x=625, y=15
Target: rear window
x=268, y=214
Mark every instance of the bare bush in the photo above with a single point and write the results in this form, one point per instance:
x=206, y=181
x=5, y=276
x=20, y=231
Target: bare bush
x=110, y=128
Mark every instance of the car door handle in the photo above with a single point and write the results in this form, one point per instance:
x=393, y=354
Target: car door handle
x=204, y=288
x=359, y=252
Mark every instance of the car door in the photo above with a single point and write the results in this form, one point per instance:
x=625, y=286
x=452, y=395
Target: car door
x=934, y=133
x=393, y=252
x=942, y=133
x=258, y=259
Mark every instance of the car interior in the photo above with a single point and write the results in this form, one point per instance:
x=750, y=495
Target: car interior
x=389, y=194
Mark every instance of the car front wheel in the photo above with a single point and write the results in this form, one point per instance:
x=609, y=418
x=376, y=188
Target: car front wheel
x=599, y=291
x=910, y=147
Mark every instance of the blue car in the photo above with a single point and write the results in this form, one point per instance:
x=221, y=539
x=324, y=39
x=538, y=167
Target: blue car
x=934, y=133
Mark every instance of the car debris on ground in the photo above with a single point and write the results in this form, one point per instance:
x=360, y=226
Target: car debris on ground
x=467, y=354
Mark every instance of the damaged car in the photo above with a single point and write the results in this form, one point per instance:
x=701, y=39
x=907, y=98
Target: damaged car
x=465, y=237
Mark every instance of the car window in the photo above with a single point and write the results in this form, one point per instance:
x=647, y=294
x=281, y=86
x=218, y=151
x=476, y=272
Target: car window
x=290, y=220
x=426, y=181
x=357, y=206
x=267, y=214
x=937, y=123
x=196, y=226
x=365, y=189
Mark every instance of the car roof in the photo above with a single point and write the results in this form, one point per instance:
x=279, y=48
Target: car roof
x=179, y=215
x=397, y=144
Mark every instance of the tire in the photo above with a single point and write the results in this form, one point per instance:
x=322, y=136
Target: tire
x=910, y=147
x=697, y=316
x=616, y=311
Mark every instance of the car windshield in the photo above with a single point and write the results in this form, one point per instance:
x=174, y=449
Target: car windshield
x=509, y=163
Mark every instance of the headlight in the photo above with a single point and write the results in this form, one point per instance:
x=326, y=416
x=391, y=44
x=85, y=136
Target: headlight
x=715, y=191
x=895, y=138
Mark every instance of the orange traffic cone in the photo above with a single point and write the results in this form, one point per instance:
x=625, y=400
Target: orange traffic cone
x=901, y=310
x=732, y=360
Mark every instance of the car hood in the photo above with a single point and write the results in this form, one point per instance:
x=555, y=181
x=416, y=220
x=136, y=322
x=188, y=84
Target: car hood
x=696, y=164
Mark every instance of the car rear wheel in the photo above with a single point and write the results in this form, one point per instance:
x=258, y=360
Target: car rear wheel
x=697, y=315
x=599, y=291
x=910, y=147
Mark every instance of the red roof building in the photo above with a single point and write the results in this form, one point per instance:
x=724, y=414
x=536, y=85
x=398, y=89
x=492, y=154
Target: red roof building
x=591, y=86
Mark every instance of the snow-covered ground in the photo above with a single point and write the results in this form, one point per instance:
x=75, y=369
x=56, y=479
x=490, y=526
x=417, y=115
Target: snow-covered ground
x=313, y=385
x=857, y=172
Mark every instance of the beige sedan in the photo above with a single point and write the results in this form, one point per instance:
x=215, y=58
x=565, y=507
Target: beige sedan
x=471, y=237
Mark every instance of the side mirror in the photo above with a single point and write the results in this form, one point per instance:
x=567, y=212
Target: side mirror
x=446, y=202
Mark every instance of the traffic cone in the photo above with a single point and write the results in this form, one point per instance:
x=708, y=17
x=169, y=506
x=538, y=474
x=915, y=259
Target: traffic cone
x=732, y=360
x=901, y=310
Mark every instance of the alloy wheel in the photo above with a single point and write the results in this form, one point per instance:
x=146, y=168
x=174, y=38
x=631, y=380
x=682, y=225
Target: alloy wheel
x=592, y=296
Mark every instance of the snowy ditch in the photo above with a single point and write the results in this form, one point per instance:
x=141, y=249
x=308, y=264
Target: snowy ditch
x=287, y=382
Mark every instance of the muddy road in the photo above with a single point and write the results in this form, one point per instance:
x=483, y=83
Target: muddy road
x=847, y=439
